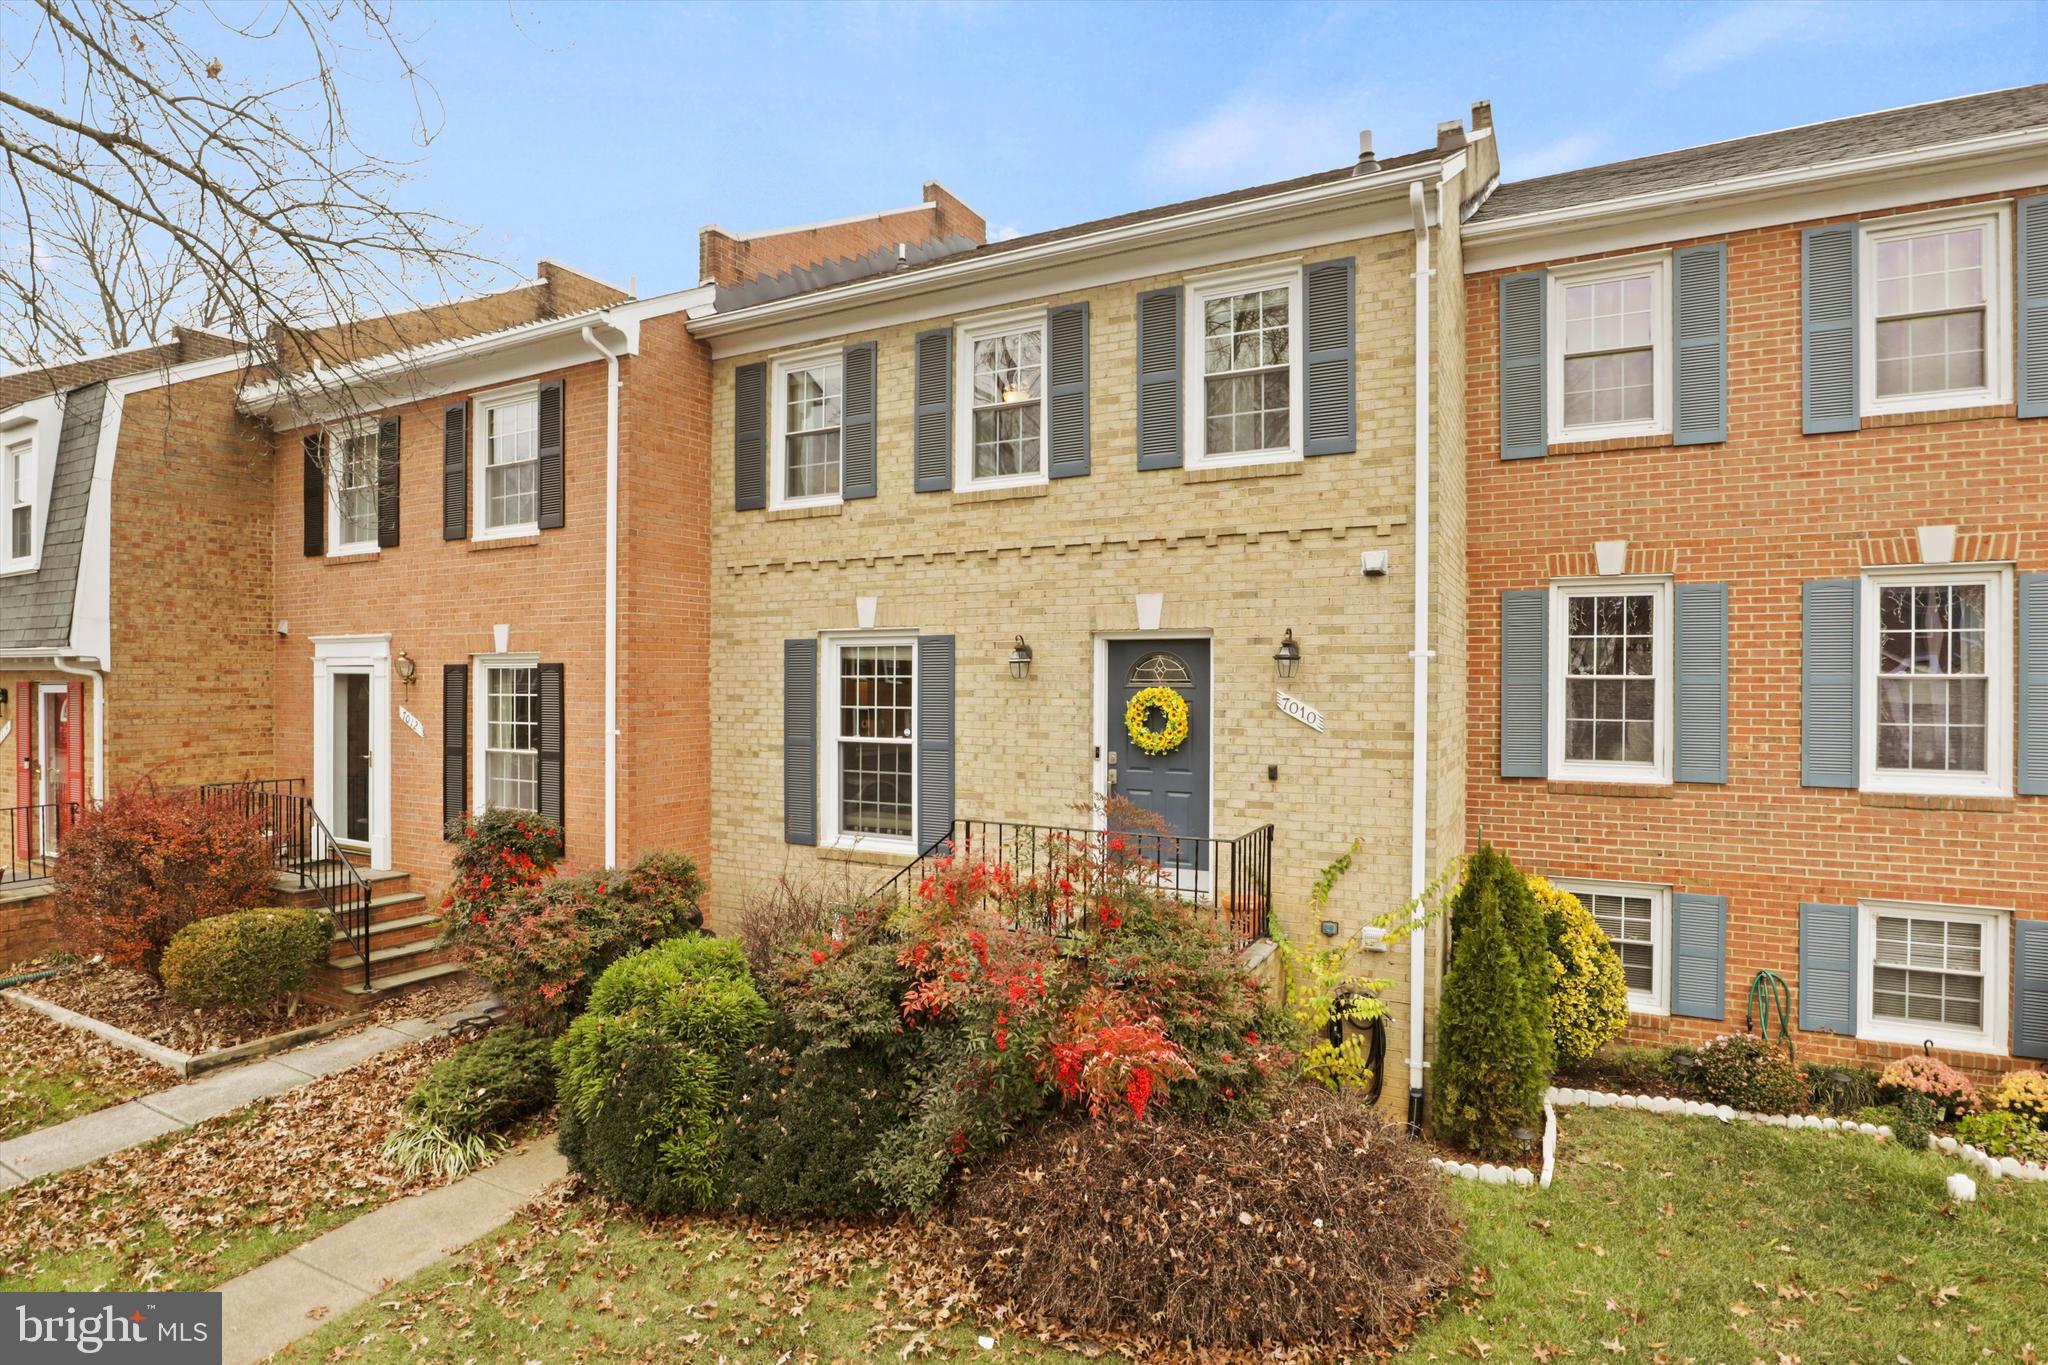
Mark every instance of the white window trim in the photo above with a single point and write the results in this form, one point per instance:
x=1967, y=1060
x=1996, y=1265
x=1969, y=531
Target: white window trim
x=1657, y=1000
x=18, y=444
x=778, y=417
x=479, y=719
x=41, y=422
x=1992, y=1038
x=1194, y=429
x=832, y=832
x=1657, y=265
x=1997, y=780
x=1655, y=772
x=332, y=438
x=964, y=337
x=1998, y=364
x=480, y=449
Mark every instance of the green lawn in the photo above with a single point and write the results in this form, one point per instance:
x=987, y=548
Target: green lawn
x=1663, y=1239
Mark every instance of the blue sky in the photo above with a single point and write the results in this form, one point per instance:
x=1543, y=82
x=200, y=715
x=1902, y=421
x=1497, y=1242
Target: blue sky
x=605, y=134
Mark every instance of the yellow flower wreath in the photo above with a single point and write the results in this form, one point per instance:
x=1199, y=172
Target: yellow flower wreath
x=1137, y=715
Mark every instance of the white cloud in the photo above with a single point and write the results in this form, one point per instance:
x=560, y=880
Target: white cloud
x=1004, y=233
x=1253, y=137
x=1567, y=153
x=1747, y=29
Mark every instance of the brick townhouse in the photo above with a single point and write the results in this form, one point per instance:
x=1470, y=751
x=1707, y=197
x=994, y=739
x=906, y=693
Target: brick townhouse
x=970, y=501
x=1759, y=566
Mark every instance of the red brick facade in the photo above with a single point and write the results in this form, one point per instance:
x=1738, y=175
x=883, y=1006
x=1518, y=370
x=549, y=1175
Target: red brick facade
x=1762, y=512
x=728, y=259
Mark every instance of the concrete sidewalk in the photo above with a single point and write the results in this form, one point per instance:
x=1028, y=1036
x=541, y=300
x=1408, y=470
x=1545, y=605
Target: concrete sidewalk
x=103, y=1132
x=274, y=1304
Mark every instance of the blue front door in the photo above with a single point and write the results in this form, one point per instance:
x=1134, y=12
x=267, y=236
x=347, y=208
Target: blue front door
x=1173, y=786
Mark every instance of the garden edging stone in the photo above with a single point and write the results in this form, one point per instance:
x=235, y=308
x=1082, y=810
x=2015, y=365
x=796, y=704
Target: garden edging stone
x=183, y=1063
x=1487, y=1173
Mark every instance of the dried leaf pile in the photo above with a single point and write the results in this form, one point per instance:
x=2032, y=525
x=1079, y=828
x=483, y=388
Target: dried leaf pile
x=179, y=1212
x=49, y=1073
x=131, y=1001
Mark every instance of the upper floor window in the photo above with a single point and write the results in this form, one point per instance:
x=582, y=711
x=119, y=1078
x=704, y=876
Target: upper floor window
x=805, y=403
x=1934, y=314
x=1003, y=440
x=1610, y=709
x=1246, y=330
x=1609, y=351
x=1936, y=694
x=508, y=461
x=352, y=474
x=20, y=474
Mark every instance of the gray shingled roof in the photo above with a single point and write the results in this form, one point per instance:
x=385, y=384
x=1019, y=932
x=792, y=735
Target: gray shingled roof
x=1819, y=144
x=35, y=608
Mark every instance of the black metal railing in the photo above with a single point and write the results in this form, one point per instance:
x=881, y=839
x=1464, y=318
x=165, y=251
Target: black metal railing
x=1059, y=871
x=35, y=835
x=304, y=848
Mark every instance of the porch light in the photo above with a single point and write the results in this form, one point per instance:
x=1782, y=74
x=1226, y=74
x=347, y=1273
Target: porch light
x=1287, y=658
x=1020, y=659
x=3, y=703
x=404, y=667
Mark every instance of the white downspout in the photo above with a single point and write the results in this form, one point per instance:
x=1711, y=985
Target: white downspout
x=611, y=596
x=99, y=723
x=1421, y=654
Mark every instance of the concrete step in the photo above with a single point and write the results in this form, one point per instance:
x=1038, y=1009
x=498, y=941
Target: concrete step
x=379, y=957
x=381, y=985
x=398, y=925
x=383, y=882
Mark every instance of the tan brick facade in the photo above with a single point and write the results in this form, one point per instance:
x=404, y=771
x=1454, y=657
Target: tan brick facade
x=1762, y=512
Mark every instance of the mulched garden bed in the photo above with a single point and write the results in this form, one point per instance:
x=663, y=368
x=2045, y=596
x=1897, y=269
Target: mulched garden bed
x=49, y=1073
x=131, y=1001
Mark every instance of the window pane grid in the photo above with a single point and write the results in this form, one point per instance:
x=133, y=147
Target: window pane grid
x=20, y=500
x=1933, y=685
x=1630, y=925
x=1008, y=379
x=811, y=416
x=1928, y=971
x=1610, y=362
x=355, y=487
x=1247, y=372
x=512, y=738
x=511, y=469
x=1930, y=312
x=875, y=733
x=1610, y=678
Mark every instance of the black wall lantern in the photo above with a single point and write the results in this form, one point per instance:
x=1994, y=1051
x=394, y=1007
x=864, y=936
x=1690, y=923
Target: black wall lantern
x=1287, y=658
x=3, y=703
x=1020, y=659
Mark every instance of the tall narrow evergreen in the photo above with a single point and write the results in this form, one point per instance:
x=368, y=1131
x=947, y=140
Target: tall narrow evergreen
x=1494, y=1049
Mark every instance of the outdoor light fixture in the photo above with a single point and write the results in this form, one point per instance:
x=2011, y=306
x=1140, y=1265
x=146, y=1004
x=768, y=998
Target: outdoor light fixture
x=406, y=669
x=3, y=703
x=1020, y=659
x=1288, y=657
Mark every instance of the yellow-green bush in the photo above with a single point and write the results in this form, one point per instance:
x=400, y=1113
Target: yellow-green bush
x=246, y=960
x=2024, y=1093
x=1588, y=994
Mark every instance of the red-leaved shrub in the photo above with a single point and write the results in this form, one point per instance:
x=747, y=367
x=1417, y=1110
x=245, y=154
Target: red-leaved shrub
x=498, y=855
x=150, y=860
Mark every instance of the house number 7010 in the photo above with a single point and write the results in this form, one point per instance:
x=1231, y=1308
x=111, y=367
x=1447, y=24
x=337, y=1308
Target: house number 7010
x=1300, y=710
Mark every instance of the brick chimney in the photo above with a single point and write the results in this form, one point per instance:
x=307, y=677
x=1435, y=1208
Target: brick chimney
x=734, y=258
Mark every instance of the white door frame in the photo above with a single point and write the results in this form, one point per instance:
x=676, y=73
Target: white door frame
x=369, y=654
x=1100, y=706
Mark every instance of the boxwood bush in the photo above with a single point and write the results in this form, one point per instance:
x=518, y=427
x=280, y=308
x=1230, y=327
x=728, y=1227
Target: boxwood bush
x=254, y=960
x=488, y=1085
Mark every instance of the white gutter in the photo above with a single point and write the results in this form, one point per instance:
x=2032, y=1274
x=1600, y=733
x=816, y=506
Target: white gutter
x=99, y=721
x=1418, y=814
x=611, y=596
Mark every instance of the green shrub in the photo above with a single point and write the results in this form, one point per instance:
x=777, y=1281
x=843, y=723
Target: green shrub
x=250, y=960
x=806, y=1127
x=1840, y=1090
x=1588, y=993
x=1911, y=1118
x=2004, y=1133
x=486, y=1086
x=645, y=1076
x=1493, y=1025
x=1744, y=1071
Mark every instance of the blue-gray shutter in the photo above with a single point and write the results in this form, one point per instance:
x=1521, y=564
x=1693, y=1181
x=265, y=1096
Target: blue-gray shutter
x=933, y=458
x=1700, y=653
x=1159, y=396
x=548, y=762
x=857, y=421
x=1331, y=412
x=2030, y=988
x=1699, y=956
x=2033, y=700
x=934, y=739
x=800, y=741
x=1700, y=328
x=1524, y=412
x=455, y=472
x=1827, y=329
x=1524, y=683
x=1827, y=969
x=750, y=437
x=1829, y=608
x=2033, y=385
x=1066, y=390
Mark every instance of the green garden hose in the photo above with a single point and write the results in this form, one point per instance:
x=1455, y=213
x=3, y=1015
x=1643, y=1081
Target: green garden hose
x=1767, y=993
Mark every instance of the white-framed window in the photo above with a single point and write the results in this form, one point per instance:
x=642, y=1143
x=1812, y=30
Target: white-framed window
x=1243, y=356
x=507, y=737
x=1935, y=677
x=1935, y=320
x=805, y=417
x=507, y=460
x=1637, y=921
x=352, y=488
x=871, y=760
x=1609, y=342
x=1000, y=378
x=20, y=475
x=1932, y=973
x=1610, y=680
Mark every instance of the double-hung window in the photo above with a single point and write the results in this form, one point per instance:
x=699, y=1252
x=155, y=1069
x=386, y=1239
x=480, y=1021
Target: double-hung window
x=352, y=482
x=806, y=415
x=1244, y=346
x=1002, y=440
x=1610, y=680
x=20, y=474
x=510, y=713
x=871, y=694
x=1932, y=972
x=1934, y=312
x=508, y=462
x=1636, y=920
x=1610, y=348
x=1936, y=703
